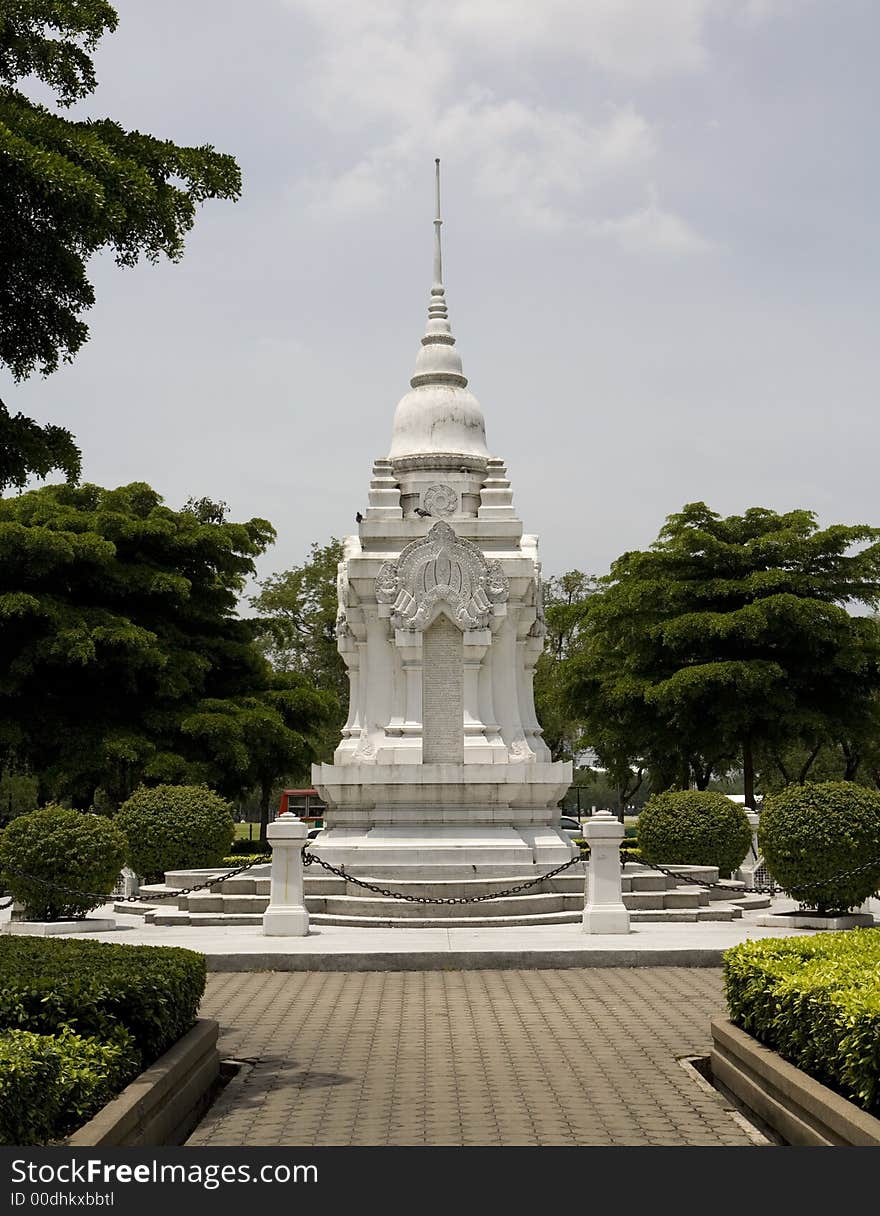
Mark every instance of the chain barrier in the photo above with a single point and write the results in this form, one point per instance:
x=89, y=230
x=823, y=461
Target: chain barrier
x=135, y=899
x=771, y=888
x=310, y=859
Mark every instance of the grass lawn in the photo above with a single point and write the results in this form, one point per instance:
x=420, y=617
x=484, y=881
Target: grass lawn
x=247, y=831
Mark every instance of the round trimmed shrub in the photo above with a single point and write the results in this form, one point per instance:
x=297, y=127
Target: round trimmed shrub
x=810, y=833
x=694, y=828
x=80, y=852
x=175, y=827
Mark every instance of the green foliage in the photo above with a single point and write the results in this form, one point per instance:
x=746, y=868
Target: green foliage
x=694, y=827
x=816, y=1001
x=565, y=601
x=175, y=827
x=56, y=846
x=71, y=188
x=297, y=611
x=50, y=1085
x=244, y=859
x=810, y=833
x=18, y=794
x=152, y=992
x=118, y=618
x=30, y=450
x=729, y=634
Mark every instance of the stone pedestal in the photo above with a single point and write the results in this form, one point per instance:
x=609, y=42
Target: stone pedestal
x=604, y=909
x=286, y=915
x=746, y=871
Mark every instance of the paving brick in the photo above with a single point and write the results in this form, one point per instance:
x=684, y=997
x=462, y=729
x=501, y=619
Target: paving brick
x=500, y=1057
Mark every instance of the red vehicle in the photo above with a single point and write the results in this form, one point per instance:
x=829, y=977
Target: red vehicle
x=306, y=804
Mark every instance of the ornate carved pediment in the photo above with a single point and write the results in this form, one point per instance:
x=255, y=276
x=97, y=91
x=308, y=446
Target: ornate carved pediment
x=441, y=567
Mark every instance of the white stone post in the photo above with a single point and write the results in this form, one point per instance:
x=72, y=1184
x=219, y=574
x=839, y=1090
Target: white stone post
x=746, y=872
x=604, y=909
x=286, y=915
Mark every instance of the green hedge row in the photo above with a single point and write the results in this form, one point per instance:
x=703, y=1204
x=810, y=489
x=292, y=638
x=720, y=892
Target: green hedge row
x=244, y=859
x=52, y=1084
x=815, y=1001
x=93, y=988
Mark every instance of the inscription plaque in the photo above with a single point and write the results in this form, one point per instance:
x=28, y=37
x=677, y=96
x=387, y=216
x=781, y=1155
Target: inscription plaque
x=442, y=693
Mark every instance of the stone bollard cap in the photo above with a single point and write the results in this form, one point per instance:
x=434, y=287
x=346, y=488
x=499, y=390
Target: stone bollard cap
x=288, y=827
x=603, y=826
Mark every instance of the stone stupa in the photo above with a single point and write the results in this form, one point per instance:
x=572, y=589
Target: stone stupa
x=441, y=770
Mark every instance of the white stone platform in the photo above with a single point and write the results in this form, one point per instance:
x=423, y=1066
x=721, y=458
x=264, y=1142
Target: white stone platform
x=338, y=948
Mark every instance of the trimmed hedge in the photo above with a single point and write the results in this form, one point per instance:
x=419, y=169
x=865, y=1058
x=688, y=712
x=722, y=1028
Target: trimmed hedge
x=176, y=827
x=810, y=833
x=694, y=828
x=81, y=852
x=244, y=859
x=152, y=992
x=816, y=1002
x=51, y=1084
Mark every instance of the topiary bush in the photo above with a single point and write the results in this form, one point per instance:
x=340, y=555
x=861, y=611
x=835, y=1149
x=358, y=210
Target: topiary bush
x=176, y=827
x=51, y=1084
x=152, y=992
x=694, y=828
x=815, y=1001
x=810, y=833
x=74, y=860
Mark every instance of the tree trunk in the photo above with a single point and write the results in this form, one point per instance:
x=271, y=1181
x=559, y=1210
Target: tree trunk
x=808, y=763
x=748, y=773
x=852, y=760
x=265, y=795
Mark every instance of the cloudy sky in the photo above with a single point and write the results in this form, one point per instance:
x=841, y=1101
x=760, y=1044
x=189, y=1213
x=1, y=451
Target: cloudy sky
x=660, y=249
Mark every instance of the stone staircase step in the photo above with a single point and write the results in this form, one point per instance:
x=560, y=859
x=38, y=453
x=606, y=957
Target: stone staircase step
x=644, y=882
x=752, y=900
x=196, y=919
x=686, y=897
x=644, y=900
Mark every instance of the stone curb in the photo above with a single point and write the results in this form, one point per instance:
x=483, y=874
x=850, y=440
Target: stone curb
x=467, y=960
x=799, y=1108
x=165, y=1102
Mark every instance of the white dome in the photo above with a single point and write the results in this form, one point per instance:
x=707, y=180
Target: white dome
x=439, y=419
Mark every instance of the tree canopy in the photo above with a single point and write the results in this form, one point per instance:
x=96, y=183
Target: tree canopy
x=122, y=656
x=296, y=630
x=71, y=188
x=728, y=636
x=566, y=597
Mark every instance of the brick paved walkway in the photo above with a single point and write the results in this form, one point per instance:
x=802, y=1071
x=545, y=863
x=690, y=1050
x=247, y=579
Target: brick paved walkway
x=477, y=1057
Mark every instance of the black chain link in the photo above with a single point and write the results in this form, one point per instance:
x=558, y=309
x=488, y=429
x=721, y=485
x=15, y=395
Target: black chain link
x=135, y=899
x=310, y=859
x=772, y=888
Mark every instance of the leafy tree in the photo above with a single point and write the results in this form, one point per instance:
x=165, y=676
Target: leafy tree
x=565, y=601
x=30, y=450
x=730, y=635
x=254, y=741
x=118, y=618
x=296, y=627
x=71, y=188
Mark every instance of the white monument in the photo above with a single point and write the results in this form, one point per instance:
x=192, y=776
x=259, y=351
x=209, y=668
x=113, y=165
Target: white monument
x=441, y=769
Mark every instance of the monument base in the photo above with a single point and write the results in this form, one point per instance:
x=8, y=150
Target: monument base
x=443, y=820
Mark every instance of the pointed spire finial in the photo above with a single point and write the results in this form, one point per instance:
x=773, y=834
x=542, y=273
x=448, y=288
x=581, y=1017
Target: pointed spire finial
x=438, y=362
x=438, y=257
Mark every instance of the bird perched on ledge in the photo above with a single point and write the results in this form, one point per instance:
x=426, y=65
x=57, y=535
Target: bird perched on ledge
x=359, y=518
x=422, y=512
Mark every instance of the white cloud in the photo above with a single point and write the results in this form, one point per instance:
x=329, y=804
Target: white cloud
x=629, y=37
x=651, y=230
x=408, y=79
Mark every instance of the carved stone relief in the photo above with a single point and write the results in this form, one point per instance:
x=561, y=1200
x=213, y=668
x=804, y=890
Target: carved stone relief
x=441, y=567
x=440, y=500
